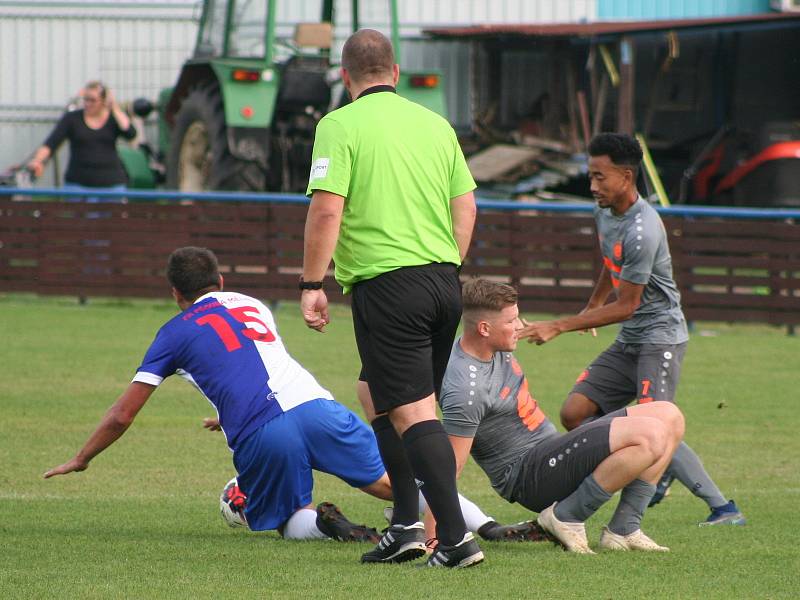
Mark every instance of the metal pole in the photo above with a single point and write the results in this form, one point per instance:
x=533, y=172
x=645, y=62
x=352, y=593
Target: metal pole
x=228, y=23
x=395, y=30
x=269, y=37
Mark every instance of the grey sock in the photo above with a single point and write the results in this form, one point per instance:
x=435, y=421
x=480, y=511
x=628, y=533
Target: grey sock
x=632, y=504
x=582, y=503
x=688, y=469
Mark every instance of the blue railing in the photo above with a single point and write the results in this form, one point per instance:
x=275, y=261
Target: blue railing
x=503, y=205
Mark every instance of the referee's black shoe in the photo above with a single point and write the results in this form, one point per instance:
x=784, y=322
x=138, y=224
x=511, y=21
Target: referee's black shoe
x=464, y=554
x=398, y=544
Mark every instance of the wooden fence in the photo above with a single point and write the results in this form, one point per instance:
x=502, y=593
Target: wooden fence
x=727, y=270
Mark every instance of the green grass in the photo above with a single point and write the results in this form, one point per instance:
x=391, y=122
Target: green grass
x=142, y=522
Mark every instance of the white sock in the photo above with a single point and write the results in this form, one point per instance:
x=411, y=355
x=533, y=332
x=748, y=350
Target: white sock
x=302, y=525
x=474, y=517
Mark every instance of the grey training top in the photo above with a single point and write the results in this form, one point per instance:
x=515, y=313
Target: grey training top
x=634, y=247
x=490, y=402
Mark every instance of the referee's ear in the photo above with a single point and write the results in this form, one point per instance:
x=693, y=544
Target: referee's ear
x=221, y=282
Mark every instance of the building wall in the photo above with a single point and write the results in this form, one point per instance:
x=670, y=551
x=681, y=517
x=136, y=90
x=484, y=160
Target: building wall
x=677, y=9
x=50, y=48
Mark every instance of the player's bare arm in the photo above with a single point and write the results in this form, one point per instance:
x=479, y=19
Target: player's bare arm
x=463, y=213
x=602, y=290
x=115, y=422
x=212, y=424
x=461, y=447
x=629, y=296
x=321, y=233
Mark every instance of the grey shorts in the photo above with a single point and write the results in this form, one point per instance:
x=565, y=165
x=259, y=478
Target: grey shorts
x=555, y=468
x=624, y=372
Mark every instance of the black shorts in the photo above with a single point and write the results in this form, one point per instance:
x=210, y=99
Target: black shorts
x=555, y=468
x=405, y=322
x=646, y=372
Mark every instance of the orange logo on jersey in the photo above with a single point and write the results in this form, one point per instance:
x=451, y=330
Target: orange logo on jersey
x=618, y=251
x=582, y=376
x=527, y=407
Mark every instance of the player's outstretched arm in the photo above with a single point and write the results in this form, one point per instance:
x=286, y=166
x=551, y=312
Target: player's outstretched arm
x=461, y=447
x=602, y=290
x=115, y=422
x=629, y=296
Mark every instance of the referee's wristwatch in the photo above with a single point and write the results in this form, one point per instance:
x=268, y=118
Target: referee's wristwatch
x=309, y=285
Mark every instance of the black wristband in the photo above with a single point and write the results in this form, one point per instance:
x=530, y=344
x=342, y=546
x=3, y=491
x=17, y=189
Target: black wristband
x=309, y=285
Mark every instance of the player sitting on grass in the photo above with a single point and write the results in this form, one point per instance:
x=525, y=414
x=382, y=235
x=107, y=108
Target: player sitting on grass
x=477, y=521
x=276, y=418
x=488, y=411
x=278, y=421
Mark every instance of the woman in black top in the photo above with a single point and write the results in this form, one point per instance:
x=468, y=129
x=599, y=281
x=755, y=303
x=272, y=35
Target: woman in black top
x=92, y=133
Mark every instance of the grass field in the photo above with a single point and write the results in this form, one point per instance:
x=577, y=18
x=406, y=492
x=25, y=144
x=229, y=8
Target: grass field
x=142, y=521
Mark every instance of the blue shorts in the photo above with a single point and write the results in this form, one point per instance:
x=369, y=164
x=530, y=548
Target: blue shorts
x=275, y=462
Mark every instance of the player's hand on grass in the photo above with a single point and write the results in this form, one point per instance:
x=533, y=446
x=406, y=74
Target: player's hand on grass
x=70, y=466
x=212, y=424
x=314, y=306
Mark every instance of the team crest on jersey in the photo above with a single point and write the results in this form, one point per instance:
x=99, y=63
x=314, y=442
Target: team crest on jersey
x=617, y=250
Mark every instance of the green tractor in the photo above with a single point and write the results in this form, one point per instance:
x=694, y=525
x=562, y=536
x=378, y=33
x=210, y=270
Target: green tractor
x=243, y=112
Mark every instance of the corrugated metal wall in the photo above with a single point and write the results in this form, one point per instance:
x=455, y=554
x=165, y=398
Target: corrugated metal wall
x=50, y=48
x=677, y=9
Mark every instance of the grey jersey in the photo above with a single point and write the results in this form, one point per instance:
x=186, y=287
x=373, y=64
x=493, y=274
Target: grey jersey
x=490, y=402
x=635, y=249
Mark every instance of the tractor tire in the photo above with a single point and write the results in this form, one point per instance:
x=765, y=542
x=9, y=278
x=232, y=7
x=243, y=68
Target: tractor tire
x=199, y=157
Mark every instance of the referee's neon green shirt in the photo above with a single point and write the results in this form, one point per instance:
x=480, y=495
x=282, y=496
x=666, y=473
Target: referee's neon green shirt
x=397, y=165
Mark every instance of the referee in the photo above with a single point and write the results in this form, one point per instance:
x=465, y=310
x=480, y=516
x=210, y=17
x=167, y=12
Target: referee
x=392, y=203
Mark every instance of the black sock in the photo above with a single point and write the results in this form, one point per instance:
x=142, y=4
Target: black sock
x=434, y=464
x=404, y=488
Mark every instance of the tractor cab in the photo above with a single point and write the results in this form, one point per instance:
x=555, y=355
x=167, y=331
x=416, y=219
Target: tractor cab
x=243, y=112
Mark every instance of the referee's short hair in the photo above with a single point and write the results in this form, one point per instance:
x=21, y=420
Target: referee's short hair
x=192, y=271
x=368, y=56
x=482, y=295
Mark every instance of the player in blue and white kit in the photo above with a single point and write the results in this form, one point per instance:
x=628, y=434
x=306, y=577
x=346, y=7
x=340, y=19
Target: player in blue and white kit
x=278, y=421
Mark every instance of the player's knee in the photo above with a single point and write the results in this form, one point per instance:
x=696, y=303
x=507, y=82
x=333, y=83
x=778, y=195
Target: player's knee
x=677, y=423
x=659, y=439
x=672, y=417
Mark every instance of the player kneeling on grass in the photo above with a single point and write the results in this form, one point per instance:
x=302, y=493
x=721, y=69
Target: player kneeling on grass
x=488, y=411
x=278, y=421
